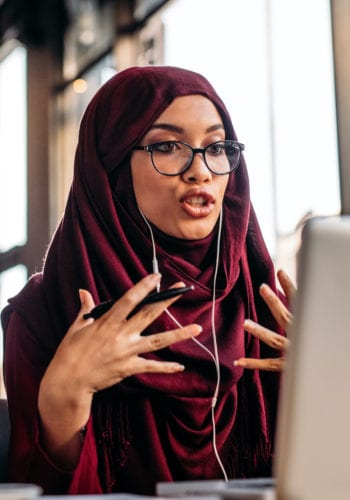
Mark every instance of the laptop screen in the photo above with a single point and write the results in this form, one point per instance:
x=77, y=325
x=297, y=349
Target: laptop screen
x=313, y=433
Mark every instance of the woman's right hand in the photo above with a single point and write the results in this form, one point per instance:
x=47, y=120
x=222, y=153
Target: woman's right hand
x=96, y=354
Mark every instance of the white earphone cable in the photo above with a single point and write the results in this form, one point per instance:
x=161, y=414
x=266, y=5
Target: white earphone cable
x=216, y=351
x=215, y=356
x=155, y=267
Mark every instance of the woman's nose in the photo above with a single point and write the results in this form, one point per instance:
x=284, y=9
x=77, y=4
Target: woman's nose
x=198, y=170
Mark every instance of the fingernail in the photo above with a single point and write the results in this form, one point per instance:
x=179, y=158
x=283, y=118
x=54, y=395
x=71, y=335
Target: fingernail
x=194, y=330
x=178, y=284
x=241, y=364
x=178, y=367
x=265, y=289
x=250, y=325
x=197, y=329
x=154, y=277
x=248, y=322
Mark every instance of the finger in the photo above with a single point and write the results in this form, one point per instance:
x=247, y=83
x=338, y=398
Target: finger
x=152, y=366
x=131, y=298
x=148, y=313
x=282, y=315
x=287, y=285
x=267, y=336
x=140, y=320
x=268, y=364
x=86, y=301
x=86, y=304
x=159, y=341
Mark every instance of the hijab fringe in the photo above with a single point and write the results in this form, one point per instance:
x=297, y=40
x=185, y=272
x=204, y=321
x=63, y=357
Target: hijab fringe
x=113, y=436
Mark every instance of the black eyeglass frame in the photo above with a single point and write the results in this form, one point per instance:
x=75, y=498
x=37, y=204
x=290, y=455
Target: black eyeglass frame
x=149, y=148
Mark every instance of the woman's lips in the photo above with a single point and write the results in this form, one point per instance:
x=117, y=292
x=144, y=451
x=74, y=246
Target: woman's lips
x=197, y=204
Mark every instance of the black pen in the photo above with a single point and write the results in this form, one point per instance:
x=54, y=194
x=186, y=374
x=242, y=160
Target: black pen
x=102, y=308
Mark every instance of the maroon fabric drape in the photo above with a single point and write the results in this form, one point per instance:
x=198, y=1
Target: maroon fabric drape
x=149, y=427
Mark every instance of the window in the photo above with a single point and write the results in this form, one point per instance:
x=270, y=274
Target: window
x=13, y=185
x=13, y=176
x=271, y=62
x=70, y=105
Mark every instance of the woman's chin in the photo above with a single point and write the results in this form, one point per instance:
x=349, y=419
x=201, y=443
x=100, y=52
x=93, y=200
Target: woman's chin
x=194, y=231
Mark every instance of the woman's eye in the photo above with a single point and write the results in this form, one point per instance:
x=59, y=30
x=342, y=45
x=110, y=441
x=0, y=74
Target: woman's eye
x=215, y=149
x=165, y=147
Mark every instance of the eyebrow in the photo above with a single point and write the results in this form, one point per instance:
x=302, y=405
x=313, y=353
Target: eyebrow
x=175, y=128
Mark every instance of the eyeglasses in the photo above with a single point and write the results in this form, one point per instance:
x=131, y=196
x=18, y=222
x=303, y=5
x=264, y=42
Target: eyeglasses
x=175, y=157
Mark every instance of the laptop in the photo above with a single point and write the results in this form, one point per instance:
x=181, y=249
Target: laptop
x=239, y=489
x=313, y=432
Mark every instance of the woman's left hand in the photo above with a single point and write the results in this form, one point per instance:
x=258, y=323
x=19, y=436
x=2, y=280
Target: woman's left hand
x=284, y=318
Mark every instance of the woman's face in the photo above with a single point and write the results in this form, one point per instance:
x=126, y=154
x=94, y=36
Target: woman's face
x=186, y=205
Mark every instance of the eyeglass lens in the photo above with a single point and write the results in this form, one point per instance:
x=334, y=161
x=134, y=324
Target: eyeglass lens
x=175, y=157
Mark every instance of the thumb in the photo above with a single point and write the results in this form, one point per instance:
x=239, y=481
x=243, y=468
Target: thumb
x=86, y=301
x=86, y=304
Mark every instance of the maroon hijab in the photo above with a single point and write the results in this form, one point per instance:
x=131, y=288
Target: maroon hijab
x=153, y=427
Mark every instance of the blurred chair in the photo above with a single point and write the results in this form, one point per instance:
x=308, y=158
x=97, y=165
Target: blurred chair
x=4, y=437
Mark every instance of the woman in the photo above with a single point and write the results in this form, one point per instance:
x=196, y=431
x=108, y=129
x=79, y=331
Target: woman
x=123, y=401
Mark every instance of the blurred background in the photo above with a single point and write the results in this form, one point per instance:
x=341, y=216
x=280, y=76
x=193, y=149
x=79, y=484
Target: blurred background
x=281, y=66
